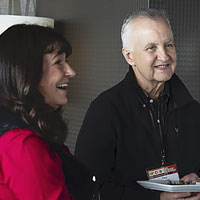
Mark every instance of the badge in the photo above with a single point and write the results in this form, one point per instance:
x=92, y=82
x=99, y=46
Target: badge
x=163, y=173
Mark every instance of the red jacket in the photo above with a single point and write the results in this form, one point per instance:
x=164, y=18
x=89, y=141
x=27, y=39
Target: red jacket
x=29, y=170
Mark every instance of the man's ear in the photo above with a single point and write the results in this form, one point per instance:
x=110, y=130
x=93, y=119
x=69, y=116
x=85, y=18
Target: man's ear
x=128, y=56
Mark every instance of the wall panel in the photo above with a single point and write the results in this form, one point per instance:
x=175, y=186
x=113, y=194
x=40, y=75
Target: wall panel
x=93, y=29
x=185, y=17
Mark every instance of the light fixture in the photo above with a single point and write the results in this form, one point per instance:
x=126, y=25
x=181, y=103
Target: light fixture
x=9, y=20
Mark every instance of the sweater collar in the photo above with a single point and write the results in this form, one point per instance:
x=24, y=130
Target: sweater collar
x=179, y=92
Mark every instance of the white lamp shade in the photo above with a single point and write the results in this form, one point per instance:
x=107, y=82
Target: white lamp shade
x=8, y=20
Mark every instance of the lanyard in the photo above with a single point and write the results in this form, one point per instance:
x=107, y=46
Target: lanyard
x=158, y=123
x=156, y=112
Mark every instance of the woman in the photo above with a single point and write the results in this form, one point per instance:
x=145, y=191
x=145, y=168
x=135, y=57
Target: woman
x=34, y=76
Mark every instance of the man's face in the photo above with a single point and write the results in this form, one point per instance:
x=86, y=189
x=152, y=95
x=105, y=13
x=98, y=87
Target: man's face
x=154, y=56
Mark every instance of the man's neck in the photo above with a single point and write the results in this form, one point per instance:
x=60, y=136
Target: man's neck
x=154, y=92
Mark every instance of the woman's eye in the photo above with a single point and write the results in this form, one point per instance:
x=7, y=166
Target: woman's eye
x=59, y=62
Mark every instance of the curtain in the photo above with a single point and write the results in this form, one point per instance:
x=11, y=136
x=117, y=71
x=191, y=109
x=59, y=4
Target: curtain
x=18, y=7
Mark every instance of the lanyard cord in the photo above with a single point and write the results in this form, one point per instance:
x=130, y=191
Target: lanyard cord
x=153, y=116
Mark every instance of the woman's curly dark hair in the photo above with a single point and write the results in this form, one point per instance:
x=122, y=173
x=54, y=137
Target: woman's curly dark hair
x=22, y=48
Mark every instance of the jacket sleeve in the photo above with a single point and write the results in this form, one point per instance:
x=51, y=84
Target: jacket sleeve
x=29, y=169
x=96, y=147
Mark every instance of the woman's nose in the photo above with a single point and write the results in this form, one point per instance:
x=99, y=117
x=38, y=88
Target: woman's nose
x=69, y=71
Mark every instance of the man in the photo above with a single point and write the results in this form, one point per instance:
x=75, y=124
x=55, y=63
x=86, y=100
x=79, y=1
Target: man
x=148, y=119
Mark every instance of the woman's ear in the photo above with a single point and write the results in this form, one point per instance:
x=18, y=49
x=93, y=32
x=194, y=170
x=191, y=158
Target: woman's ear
x=128, y=55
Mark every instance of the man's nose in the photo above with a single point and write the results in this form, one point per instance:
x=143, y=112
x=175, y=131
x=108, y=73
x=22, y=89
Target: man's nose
x=162, y=55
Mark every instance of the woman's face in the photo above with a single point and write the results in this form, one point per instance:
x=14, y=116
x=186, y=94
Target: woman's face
x=55, y=79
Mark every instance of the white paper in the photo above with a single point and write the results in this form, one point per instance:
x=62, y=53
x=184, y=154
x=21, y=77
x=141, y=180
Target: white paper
x=165, y=187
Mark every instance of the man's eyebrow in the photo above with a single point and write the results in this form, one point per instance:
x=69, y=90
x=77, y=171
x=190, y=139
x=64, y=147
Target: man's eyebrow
x=170, y=40
x=155, y=44
x=150, y=44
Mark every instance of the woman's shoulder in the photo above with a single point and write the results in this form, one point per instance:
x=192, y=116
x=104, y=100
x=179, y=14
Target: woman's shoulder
x=20, y=138
x=23, y=146
x=26, y=158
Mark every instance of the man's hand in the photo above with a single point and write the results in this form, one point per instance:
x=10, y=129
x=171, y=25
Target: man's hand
x=190, y=178
x=182, y=195
x=177, y=196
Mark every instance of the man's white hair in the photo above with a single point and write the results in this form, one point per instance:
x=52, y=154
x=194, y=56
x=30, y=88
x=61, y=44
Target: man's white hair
x=152, y=14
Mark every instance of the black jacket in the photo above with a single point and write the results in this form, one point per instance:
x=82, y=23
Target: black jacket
x=79, y=180
x=118, y=143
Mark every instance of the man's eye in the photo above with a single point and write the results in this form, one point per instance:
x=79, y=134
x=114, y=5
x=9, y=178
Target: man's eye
x=169, y=45
x=151, y=48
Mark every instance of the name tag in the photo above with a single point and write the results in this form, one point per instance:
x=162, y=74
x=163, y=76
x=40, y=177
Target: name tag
x=163, y=173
